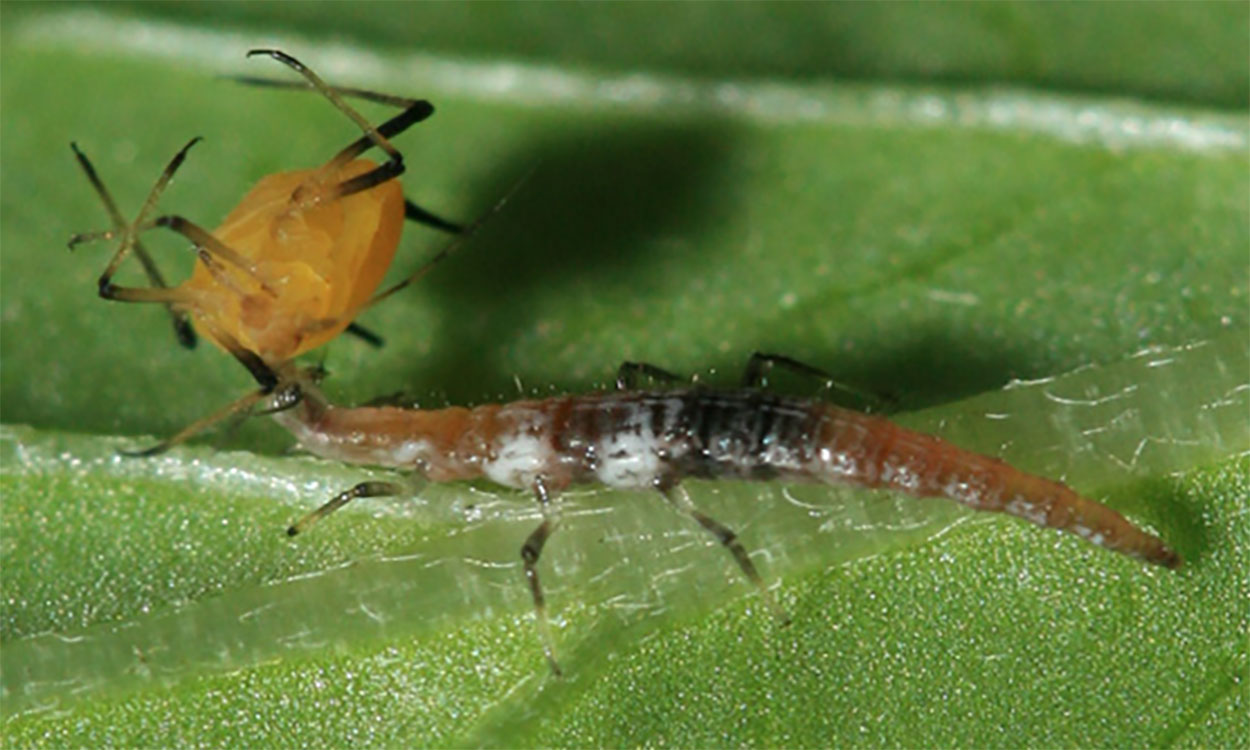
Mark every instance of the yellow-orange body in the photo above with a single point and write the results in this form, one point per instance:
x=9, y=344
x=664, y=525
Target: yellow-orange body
x=320, y=255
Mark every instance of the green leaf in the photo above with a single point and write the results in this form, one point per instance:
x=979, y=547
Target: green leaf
x=1057, y=280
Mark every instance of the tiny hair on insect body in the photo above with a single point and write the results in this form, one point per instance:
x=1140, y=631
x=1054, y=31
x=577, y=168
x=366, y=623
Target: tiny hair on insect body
x=293, y=264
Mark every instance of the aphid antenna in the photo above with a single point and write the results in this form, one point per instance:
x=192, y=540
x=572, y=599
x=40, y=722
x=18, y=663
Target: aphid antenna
x=372, y=96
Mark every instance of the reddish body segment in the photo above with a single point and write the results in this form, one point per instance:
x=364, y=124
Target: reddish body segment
x=652, y=440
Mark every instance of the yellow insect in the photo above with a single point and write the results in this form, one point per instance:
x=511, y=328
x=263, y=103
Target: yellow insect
x=295, y=261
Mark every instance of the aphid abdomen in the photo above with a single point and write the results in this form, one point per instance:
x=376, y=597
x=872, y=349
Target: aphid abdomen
x=870, y=451
x=322, y=255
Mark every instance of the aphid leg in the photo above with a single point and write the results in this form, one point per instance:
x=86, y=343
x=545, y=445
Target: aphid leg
x=628, y=374
x=677, y=495
x=181, y=321
x=389, y=129
x=364, y=489
x=204, y=240
x=264, y=375
x=200, y=425
x=415, y=111
x=365, y=335
x=530, y=552
x=756, y=373
x=413, y=212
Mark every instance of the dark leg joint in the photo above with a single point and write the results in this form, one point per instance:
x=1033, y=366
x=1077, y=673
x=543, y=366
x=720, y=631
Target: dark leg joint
x=753, y=376
x=365, y=335
x=413, y=212
x=628, y=373
x=364, y=489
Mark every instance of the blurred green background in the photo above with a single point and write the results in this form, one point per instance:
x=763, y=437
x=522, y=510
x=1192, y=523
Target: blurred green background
x=929, y=201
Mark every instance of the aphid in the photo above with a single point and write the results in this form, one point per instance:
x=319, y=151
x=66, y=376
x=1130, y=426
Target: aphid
x=295, y=262
x=638, y=439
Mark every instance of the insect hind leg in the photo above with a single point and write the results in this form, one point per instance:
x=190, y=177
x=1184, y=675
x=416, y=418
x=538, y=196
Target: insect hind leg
x=415, y=111
x=677, y=495
x=530, y=552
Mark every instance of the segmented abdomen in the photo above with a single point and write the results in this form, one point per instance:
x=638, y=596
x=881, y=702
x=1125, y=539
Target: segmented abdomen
x=643, y=440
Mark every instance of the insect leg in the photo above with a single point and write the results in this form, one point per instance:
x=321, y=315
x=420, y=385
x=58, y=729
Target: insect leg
x=677, y=495
x=530, y=551
x=415, y=111
x=413, y=212
x=246, y=402
x=218, y=250
x=365, y=335
x=628, y=373
x=364, y=489
x=755, y=376
x=183, y=331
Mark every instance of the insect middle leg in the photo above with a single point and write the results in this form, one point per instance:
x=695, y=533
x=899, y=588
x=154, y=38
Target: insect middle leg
x=530, y=552
x=760, y=363
x=677, y=495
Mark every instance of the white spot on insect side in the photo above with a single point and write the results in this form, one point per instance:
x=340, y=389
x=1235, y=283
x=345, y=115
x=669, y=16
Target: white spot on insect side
x=519, y=460
x=629, y=457
x=839, y=464
x=902, y=477
x=1022, y=507
x=967, y=493
x=409, y=451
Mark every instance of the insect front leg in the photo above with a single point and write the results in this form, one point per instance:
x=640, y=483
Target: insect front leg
x=530, y=552
x=364, y=489
x=677, y=495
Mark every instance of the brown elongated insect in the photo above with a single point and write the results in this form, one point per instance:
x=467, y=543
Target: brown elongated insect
x=638, y=439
